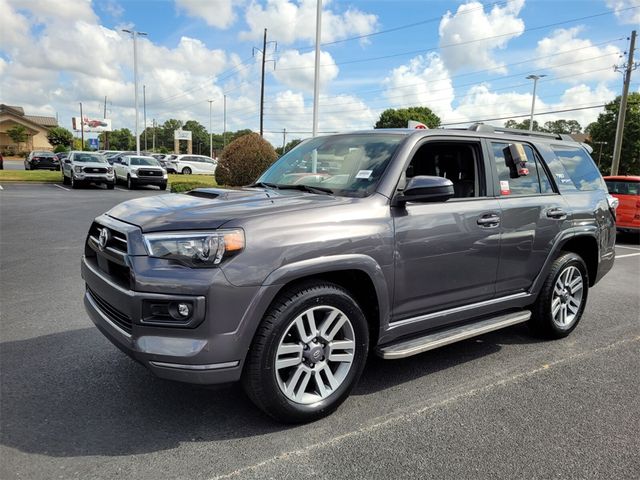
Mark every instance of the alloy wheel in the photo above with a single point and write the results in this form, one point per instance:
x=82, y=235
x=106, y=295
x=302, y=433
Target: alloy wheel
x=567, y=297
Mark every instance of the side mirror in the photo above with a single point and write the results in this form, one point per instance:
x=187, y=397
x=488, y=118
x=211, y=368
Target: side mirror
x=67, y=161
x=425, y=188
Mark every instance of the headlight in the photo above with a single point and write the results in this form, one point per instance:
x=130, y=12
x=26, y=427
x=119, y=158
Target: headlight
x=195, y=249
x=77, y=168
x=109, y=169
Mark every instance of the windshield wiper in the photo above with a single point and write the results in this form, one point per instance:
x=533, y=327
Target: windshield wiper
x=307, y=188
x=263, y=185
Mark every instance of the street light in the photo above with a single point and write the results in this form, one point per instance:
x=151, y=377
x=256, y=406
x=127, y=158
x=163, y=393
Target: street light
x=210, y=131
x=535, y=79
x=134, y=35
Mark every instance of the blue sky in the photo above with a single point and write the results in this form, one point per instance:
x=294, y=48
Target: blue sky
x=465, y=60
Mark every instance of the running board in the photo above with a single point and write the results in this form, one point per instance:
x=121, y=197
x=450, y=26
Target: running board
x=414, y=346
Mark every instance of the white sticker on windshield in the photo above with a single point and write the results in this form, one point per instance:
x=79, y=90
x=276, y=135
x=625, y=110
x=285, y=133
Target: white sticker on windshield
x=364, y=173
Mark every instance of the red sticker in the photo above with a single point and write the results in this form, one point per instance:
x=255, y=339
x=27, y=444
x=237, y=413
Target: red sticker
x=504, y=188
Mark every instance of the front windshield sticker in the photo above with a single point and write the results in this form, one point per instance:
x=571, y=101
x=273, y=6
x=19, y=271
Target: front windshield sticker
x=364, y=173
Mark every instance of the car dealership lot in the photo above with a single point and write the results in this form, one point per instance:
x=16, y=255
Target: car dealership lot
x=504, y=405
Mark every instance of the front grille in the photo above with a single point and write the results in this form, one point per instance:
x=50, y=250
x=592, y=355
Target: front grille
x=94, y=170
x=117, y=240
x=121, y=319
x=149, y=173
x=112, y=257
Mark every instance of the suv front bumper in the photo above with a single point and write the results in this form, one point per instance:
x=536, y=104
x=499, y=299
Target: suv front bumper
x=192, y=355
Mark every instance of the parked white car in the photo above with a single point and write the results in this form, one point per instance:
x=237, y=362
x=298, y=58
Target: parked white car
x=194, y=164
x=140, y=170
x=80, y=168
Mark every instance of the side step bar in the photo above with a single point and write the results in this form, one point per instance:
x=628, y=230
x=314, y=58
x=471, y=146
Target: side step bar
x=414, y=346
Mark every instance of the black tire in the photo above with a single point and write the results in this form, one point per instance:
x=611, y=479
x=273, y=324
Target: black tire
x=163, y=186
x=186, y=171
x=111, y=186
x=542, y=323
x=26, y=166
x=259, y=375
x=65, y=179
x=130, y=184
x=74, y=182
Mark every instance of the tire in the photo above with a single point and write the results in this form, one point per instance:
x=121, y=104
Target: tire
x=163, y=186
x=111, y=186
x=265, y=384
x=564, y=291
x=186, y=171
x=65, y=180
x=74, y=182
x=130, y=184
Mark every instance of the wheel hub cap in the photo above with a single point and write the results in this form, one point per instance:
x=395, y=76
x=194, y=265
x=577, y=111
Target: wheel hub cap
x=567, y=297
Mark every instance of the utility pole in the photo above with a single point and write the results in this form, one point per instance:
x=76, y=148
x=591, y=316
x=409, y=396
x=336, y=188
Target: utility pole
x=224, y=122
x=316, y=73
x=154, y=136
x=210, y=131
x=535, y=79
x=600, y=153
x=144, y=109
x=284, y=140
x=134, y=35
x=264, y=61
x=629, y=67
x=106, y=134
x=81, y=128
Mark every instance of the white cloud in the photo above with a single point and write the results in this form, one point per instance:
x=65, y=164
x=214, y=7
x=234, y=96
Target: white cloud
x=423, y=81
x=628, y=16
x=289, y=21
x=470, y=24
x=43, y=11
x=14, y=27
x=576, y=59
x=217, y=13
x=296, y=70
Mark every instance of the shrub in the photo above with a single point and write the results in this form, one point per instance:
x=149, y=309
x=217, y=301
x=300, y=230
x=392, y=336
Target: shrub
x=60, y=148
x=244, y=160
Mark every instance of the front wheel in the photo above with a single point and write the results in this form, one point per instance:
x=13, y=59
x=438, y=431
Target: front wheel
x=65, y=179
x=111, y=185
x=74, y=183
x=563, y=297
x=186, y=171
x=163, y=186
x=307, y=354
x=130, y=184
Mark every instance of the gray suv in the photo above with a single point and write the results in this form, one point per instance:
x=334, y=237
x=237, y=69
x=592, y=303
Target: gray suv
x=386, y=241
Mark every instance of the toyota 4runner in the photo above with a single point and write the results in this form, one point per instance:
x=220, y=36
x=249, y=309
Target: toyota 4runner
x=390, y=241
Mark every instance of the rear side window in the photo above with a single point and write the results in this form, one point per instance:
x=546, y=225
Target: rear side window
x=580, y=167
x=535, y=183
x=623, y=188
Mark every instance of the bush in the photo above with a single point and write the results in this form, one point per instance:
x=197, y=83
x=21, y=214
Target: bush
x=60, y=148
x=244, y=160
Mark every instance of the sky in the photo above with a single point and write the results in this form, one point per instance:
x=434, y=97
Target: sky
x=465, y=60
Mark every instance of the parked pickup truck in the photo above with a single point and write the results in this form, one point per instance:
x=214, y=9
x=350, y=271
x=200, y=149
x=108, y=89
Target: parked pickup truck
x=403, y=241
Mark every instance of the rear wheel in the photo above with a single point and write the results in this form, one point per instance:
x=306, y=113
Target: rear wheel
x=163, y=186
x=186, y=171
x=307, y=354
x=563, y=297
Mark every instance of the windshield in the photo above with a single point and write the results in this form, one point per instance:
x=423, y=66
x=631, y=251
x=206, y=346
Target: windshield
x=348, y=165
x=144, y=161
x=89, y=158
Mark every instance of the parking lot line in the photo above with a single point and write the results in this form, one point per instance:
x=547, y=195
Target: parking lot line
x=628, y=255
x=630, y=248
x=60, y=186
x=1, y=187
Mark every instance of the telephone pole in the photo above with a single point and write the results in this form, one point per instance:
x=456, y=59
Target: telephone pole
x=106, y=134
x=264, y=61
x=210, y=131
x=81, y=128
x=628, y=68
x=224, y=122
x=154, y=136
x=144, y=115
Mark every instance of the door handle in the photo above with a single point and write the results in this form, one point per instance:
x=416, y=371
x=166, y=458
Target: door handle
x=556, y=213
x=488, y=220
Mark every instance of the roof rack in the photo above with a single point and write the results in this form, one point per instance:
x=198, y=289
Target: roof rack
x=481, y=127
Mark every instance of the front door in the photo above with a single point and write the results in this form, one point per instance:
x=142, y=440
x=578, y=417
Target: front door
x=447, y=252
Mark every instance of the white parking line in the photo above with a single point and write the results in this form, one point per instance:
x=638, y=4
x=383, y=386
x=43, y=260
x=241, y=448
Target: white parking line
x=60, y=186
x=630, y=248
x=628, y=255
x=1, y=187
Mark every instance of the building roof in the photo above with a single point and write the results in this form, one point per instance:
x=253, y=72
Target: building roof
x=46, y=122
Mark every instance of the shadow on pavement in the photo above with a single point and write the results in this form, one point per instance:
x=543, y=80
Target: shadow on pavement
x=74, y=394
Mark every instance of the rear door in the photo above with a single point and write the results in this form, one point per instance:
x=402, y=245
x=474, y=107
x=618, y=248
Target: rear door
x=533, y=214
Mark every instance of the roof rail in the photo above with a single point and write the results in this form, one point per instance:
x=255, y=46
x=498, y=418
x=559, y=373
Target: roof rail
x=481, y=127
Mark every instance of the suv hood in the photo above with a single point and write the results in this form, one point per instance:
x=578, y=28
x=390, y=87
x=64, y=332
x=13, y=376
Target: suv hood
x=91, y=164
x=207, y=209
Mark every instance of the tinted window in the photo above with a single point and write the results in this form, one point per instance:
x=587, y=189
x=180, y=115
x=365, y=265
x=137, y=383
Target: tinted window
x=580, y=167
x=143, y=161
x=535, y=182
x=623, y=188
x=349, y=165
x=89, y=158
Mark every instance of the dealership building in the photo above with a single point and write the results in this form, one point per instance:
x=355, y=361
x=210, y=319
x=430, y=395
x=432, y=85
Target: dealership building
x=36, y=127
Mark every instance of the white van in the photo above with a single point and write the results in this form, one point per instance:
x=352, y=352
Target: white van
x=194, y=164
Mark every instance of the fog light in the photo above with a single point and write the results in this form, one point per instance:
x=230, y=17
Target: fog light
x=184, y=310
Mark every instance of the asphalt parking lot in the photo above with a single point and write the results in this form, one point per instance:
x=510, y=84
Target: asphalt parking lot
x=504, y=405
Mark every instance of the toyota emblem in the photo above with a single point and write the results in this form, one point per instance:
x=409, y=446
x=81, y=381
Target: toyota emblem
x=104, y=238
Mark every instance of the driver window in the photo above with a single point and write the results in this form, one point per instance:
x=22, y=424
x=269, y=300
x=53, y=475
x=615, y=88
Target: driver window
x=457, y=161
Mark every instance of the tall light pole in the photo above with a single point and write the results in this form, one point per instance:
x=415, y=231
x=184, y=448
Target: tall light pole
x=210, y=131
x=134, y=35
x=224, y=122
x=316, y=73
x=600, y=154
x=535, y=79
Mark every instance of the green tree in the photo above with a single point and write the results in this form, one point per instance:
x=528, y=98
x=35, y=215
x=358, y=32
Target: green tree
x=244, y=159
x=562, y=126
x=120, y=139
x=18, y=134
x=604, y=130
x=60, y=136
x=288, y=146
x=399, y=118
x=524, y=125
x=199, y=136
